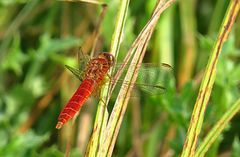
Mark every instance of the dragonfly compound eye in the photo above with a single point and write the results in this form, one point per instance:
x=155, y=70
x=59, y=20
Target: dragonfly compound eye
x=109, y=57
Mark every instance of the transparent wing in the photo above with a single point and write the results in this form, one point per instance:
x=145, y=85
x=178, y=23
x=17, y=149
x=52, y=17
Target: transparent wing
x=77, y=72
x=151, y=78
x=83, y=59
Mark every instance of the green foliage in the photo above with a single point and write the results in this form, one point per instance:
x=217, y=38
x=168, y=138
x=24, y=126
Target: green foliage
x=236, y=147
x=15, y=59
x=24, y=80
x=12, y=2
x=23, y=145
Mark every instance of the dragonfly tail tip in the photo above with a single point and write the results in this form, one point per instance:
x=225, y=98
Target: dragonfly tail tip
x=59, y=125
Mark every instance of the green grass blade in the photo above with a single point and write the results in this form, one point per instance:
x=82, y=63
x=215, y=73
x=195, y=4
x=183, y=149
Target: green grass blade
x=208, y=81
x=189, y=45
x=87, y=1
x=139, y=48
x=217, y=129
x=102, y=113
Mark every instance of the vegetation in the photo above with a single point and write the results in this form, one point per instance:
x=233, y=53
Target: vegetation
x=199, y=39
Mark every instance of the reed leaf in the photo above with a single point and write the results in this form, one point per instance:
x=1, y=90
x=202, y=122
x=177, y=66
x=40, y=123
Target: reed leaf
x=208, y=81
x=86, y=1
x=217, y=129
x=102, y=113
x=138, y=49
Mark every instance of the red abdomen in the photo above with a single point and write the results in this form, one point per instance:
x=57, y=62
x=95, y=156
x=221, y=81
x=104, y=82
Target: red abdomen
x=76, y=102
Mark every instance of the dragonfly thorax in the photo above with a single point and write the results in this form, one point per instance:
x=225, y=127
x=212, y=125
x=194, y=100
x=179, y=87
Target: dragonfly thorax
x=98, y=68
x=109, y=57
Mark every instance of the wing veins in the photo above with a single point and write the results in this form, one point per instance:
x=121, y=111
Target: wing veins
x=76, y=72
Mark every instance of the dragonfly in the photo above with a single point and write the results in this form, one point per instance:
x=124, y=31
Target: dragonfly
x=93, y=76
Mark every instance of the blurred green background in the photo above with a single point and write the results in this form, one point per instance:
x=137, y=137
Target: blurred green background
x=39, y=37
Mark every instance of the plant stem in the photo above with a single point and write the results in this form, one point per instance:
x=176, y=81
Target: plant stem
x=188, y=51
x=102, y=113
x=138, y=49
x=208, y=81
x=217, y=129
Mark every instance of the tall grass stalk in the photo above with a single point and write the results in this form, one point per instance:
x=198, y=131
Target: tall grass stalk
x=208, y=81
x=87, y=1
x=217, y=129
x=138, y=49
x=102, y=113
x=188, y=49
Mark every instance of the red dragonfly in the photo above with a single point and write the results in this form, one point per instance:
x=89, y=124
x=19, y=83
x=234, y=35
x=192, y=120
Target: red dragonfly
x=95, y=72
x=93, y=76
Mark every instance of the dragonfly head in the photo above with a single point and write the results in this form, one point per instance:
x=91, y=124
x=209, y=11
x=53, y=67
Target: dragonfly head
x=109, y=57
